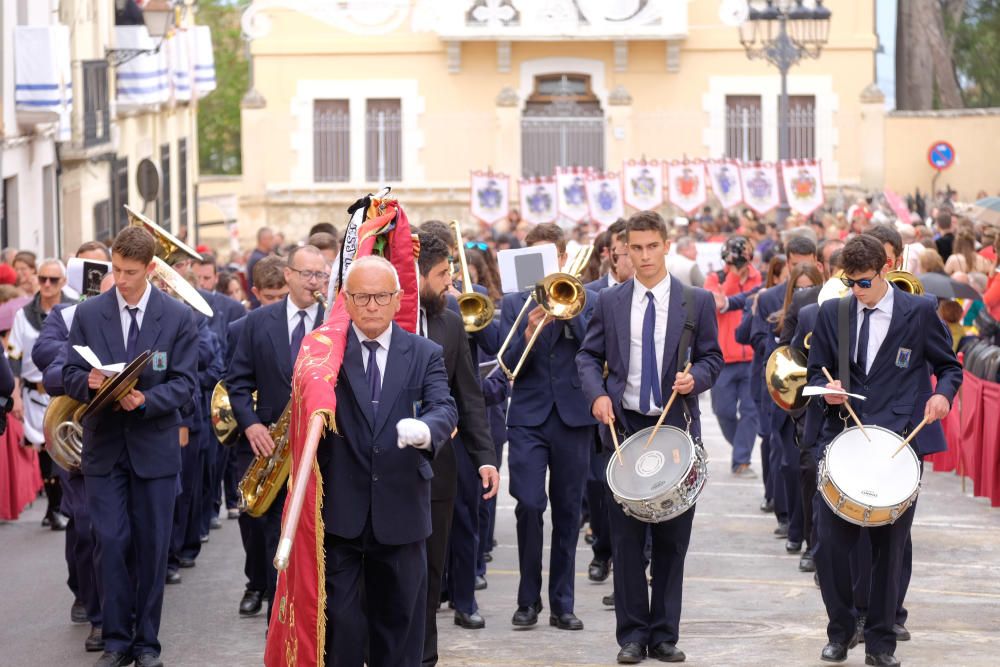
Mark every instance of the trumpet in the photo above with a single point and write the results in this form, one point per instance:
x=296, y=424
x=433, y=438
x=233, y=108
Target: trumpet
x=561, y=295
x=476, y=309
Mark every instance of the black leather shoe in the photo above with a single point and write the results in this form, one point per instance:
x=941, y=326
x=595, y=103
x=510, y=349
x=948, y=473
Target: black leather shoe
x=185, y=562
x=481, y=583
x=837, y=652
x=214, y=523
x=113, y=659
x=173, y=577
x=766, y=505
x=589, y=538
x=232, y=513
x=859, y=634
x=598, y=570
x=95, y=641
x=806, y=562
x=148, y=660
x=902, y=634
x=608, y=600
x=471, y=621
x=78, y=613
x=882, y=660
x=632, y=653
x=525, y=616
x=566, y=622
x=666, y=652
x=793, y=547
x=782, y=530
x=58, y=521
x=488, y=557
x=251, y=603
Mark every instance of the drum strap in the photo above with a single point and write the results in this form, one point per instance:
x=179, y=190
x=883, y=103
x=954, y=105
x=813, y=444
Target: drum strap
x=844, y=342
x=684, y=350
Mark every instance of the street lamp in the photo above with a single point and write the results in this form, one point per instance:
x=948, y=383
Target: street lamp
x=783, y=32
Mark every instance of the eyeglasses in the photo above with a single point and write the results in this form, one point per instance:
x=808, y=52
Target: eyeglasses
x=309, y=275
x=49, y=279
x=478, y=245
x=361, y=299
x=863, y=283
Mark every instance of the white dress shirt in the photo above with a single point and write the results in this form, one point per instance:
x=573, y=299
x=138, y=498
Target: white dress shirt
x=381, y=353
x=126, y=319
x=661, y=296
x=878, y=325
x=292, y=313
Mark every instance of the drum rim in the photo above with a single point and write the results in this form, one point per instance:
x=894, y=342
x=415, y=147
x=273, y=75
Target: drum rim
x=912, y=456
x=642, y=434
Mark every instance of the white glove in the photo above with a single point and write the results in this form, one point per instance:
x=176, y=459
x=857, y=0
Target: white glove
x=413, y=433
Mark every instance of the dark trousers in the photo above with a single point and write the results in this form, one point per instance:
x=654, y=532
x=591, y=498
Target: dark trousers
x=463, y=542
x=487, y=522
x=50, y=481
x=185, y=539
x=260, y=537
x=132, y=517
x=231, y=479
x=211, y=481
x=861, y=572
x=788, y=474
x=597, y=498
x=807, y=490
x=736, y=410
x=563, y=452
x=437, y=553
x=837, y=538
x=393, y=581
x=81, y=545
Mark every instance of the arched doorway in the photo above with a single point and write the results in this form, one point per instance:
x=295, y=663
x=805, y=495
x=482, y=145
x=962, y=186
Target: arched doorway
x=562, y=125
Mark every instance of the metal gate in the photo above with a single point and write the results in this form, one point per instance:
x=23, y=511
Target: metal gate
x=562, y=129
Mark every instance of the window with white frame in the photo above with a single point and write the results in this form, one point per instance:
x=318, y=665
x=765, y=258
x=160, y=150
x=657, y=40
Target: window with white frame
x=331, y=141
x=744, y=135
x=383, y=140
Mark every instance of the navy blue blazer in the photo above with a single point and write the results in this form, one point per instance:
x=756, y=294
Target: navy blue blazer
x=365, y=473
x=49, y=352
x=609, y=340
x=224, y=311
x=149, y=433
x=262, y=362
x=599, y=284
x=898, y=384
x=233, y=332
x=548, y=377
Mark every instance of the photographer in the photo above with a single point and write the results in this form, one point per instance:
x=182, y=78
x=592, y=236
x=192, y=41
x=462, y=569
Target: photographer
x=732, y=401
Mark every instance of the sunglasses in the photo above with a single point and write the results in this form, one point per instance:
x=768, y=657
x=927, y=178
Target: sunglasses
x=478, y=245
x=863, y=283
x=49, y=279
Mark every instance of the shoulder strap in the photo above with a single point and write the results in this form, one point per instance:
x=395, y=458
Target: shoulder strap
x=844, y=342
x=684, y=351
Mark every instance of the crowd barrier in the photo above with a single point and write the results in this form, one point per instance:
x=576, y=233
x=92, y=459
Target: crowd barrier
x=972, y=430
x=20, y=477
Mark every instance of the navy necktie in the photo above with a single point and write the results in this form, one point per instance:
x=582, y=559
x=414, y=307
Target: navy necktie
x=133, y=334
x=298, y=333
x=863, y=341
x=650, y=379
x=374, y=377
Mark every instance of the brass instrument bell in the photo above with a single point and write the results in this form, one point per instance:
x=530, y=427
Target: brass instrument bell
x=476, y=309
x=785, y=375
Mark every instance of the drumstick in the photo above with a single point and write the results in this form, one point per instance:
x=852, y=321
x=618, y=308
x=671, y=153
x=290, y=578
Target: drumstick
x=847, y=404
x=614, y=439
x=909, y=437
x=670, y=401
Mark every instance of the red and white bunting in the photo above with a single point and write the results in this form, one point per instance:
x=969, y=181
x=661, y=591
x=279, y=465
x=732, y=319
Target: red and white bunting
x=686, y=185
x=572, y=192
x=803, y=182
x=643, y=184
x=724, y=177
x=489, y=196
x=538, y=200
x=604, y=197
x=760, y=186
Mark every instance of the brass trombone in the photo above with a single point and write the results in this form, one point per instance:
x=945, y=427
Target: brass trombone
x=476, y=309
x=561, y=295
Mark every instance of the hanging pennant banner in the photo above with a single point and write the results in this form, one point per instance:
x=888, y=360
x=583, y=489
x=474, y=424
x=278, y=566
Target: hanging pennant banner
x=760, y=186
x=490, y=196
x=572, y=193
x=724, y=177
x=686, y=185
x=803, y=182
x=643, y=184
x=604, y=198
x=538, y=200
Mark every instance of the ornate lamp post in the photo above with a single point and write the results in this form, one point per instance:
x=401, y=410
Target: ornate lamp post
x=783, y=32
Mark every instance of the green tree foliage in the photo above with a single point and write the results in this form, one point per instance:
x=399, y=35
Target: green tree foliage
x=977, y=53
x=219, y=113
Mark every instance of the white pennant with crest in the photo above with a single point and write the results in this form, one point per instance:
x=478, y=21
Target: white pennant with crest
x=803, y=182
x=686, y=185
x=490, y=196
x=724, y=177
x=538, y=200
x=572, y=193
x=643, y=184
x=760, y=186
x=604, y=197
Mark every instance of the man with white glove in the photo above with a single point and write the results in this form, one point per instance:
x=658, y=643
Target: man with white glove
x=413, y=433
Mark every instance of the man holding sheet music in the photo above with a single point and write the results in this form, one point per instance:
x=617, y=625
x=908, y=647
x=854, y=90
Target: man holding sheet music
x=895, y=343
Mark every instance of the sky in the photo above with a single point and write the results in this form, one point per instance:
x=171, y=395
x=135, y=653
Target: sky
x=885, y=67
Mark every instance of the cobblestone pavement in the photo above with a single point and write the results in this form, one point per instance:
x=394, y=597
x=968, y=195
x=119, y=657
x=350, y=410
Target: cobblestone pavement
x=745, y=602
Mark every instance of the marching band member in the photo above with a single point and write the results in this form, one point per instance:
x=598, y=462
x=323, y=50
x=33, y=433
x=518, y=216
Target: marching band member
x=644, y=318
x=896, y=341
x=394, y=414
x=549, y=430
x=262, y=362
x=131, y=456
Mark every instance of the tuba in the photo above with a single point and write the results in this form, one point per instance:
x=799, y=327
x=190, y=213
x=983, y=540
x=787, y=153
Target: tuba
x=561, y=295
x=476, y=309
x=904, y=280
x=266, y=474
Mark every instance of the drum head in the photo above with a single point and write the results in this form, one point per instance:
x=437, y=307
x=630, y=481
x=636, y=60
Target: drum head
x=649, y=471
x=867, y=472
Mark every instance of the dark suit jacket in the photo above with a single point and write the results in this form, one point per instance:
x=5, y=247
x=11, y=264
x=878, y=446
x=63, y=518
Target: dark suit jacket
x=365, y=473
x=446, y=330
x=548, y=377
x=897, y=388
x=149, y=433
x=233, y=332
x=224, y=311
x=49, y=352
x=800, y=299
x=609, y=340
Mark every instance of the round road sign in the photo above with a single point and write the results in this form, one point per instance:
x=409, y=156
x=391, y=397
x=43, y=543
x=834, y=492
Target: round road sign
x=941, y=155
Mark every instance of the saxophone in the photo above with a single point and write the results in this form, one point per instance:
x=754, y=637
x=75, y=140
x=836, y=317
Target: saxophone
x=267, y=474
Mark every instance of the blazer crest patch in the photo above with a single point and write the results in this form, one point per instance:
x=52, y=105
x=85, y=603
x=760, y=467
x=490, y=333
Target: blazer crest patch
x=159, y=361
x=903, y=357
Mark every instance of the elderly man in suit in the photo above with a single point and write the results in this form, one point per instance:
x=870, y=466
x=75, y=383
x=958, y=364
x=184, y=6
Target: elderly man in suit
x=394, y=414
x=640, y=329
x=131, y=456
x=895, y=343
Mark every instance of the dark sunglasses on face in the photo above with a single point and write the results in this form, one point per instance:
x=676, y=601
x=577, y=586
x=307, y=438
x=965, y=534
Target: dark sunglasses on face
x=863, y=283
x=49, y=279
x=478, y=245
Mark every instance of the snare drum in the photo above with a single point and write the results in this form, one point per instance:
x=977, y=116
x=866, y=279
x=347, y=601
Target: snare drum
x=862, y=482
x=659, y=482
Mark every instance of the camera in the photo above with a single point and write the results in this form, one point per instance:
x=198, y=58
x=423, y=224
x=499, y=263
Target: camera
x=734, y=252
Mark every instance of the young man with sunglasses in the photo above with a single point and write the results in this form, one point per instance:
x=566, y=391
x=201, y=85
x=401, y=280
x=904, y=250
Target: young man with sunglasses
x=896, y=342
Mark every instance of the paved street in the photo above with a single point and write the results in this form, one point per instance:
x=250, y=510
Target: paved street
x=745, y=603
